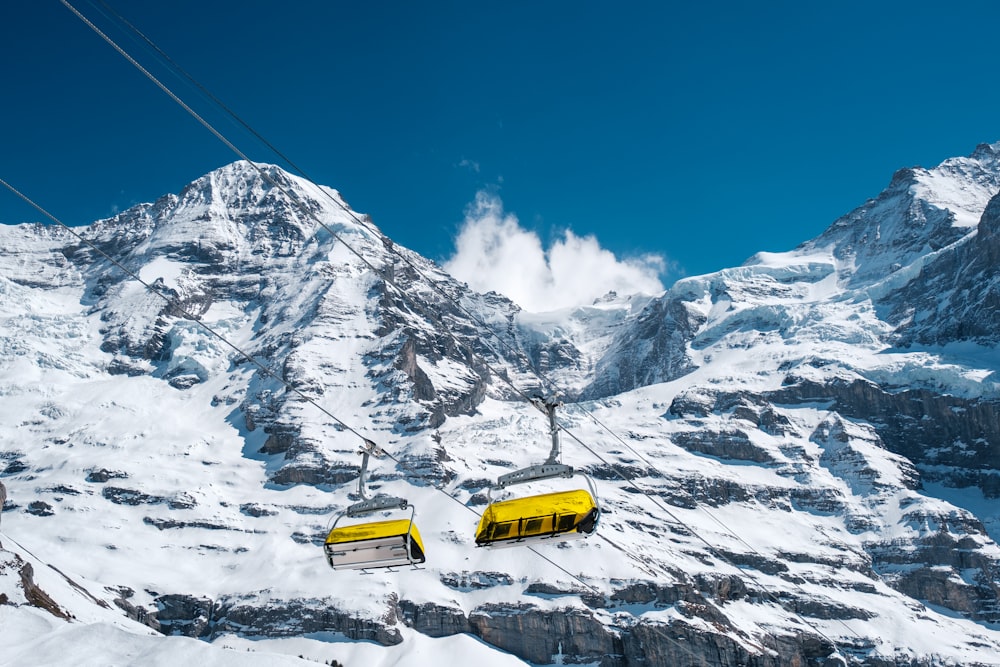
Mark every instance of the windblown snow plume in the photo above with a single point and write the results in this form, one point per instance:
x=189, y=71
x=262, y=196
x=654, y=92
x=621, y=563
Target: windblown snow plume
x=494, y=253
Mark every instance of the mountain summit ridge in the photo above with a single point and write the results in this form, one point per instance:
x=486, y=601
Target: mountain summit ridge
x=838, y=404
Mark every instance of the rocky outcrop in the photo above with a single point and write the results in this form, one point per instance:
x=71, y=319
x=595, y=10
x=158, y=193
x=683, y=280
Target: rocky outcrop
x=570, y=635
x=25, y=589
x=457, y=345
x=956, y=295
x=652, y=350
x=190, y=616
x=947, y=565
x=732, y=444
x=929, y=429
x=700, y=402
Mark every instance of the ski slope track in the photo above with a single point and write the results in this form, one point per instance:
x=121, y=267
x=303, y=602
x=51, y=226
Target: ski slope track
x=799, y=457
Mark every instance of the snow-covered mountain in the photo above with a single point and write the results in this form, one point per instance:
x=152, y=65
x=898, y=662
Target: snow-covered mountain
x=797, y=458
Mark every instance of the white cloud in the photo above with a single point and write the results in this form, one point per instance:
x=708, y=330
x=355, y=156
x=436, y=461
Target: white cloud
x=494, y=253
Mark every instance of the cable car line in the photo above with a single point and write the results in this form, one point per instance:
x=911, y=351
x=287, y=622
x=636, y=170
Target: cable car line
x=402, y=292
x=189, y=316
x=181, y=310
x=556, y=528
x=391, y=246
x=197, y=84
x=388, y=243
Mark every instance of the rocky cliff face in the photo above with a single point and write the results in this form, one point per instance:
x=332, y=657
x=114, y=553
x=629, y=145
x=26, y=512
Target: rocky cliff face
x=305, y=307
x=796, y=458
x=956, y=295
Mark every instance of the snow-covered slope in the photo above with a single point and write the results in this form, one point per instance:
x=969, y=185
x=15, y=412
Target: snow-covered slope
x=792, y=460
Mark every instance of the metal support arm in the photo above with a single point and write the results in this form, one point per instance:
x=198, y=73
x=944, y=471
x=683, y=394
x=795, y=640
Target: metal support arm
x=549, y=407
x=369, y=448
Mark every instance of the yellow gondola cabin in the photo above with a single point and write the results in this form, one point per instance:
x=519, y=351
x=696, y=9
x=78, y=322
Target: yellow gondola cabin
x=371, y=544
x=375, y=544
x=561, y=516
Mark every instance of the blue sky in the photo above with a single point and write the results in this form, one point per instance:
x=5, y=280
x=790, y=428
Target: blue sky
x=698, y=132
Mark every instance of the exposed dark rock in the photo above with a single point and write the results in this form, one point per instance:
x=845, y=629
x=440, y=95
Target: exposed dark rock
x=256, y=510
x=122, y=496
x=14, y=467
x=536, y=636
x=925, y=427
x=460, y=343
x=716, y=491
x=306, y=510
x=35, y=596
x=434, y=620
x=547, y=356
x=828, y=609
x=127, y=366
x=314, y=473
x=756, y=561
x=695, y=402
x=956, y=296
x=62, y=489
x=818, y=500
x=122, y=600
x=316, y=538
x=470, y=581
x=183, y=615
x=732, y=444
x=475, y=484
x=944, y=588
x=181, y=501
x=722, y=588
x=648, y=592
x=651, y=351
x=206, y=619
x=102, y=475
x=946, y=568
x=423, y=388
x=280, y=439
x=39, y=508
x=166, y=524
x=184, y=380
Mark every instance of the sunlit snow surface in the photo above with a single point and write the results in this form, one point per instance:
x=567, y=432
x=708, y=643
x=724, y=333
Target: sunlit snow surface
x=187, y=508
x=33, y=637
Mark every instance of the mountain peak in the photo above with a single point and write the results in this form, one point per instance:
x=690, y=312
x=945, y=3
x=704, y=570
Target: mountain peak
x=920, y=210
x=987, y=152
x=253, y=209
x=242, y=185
